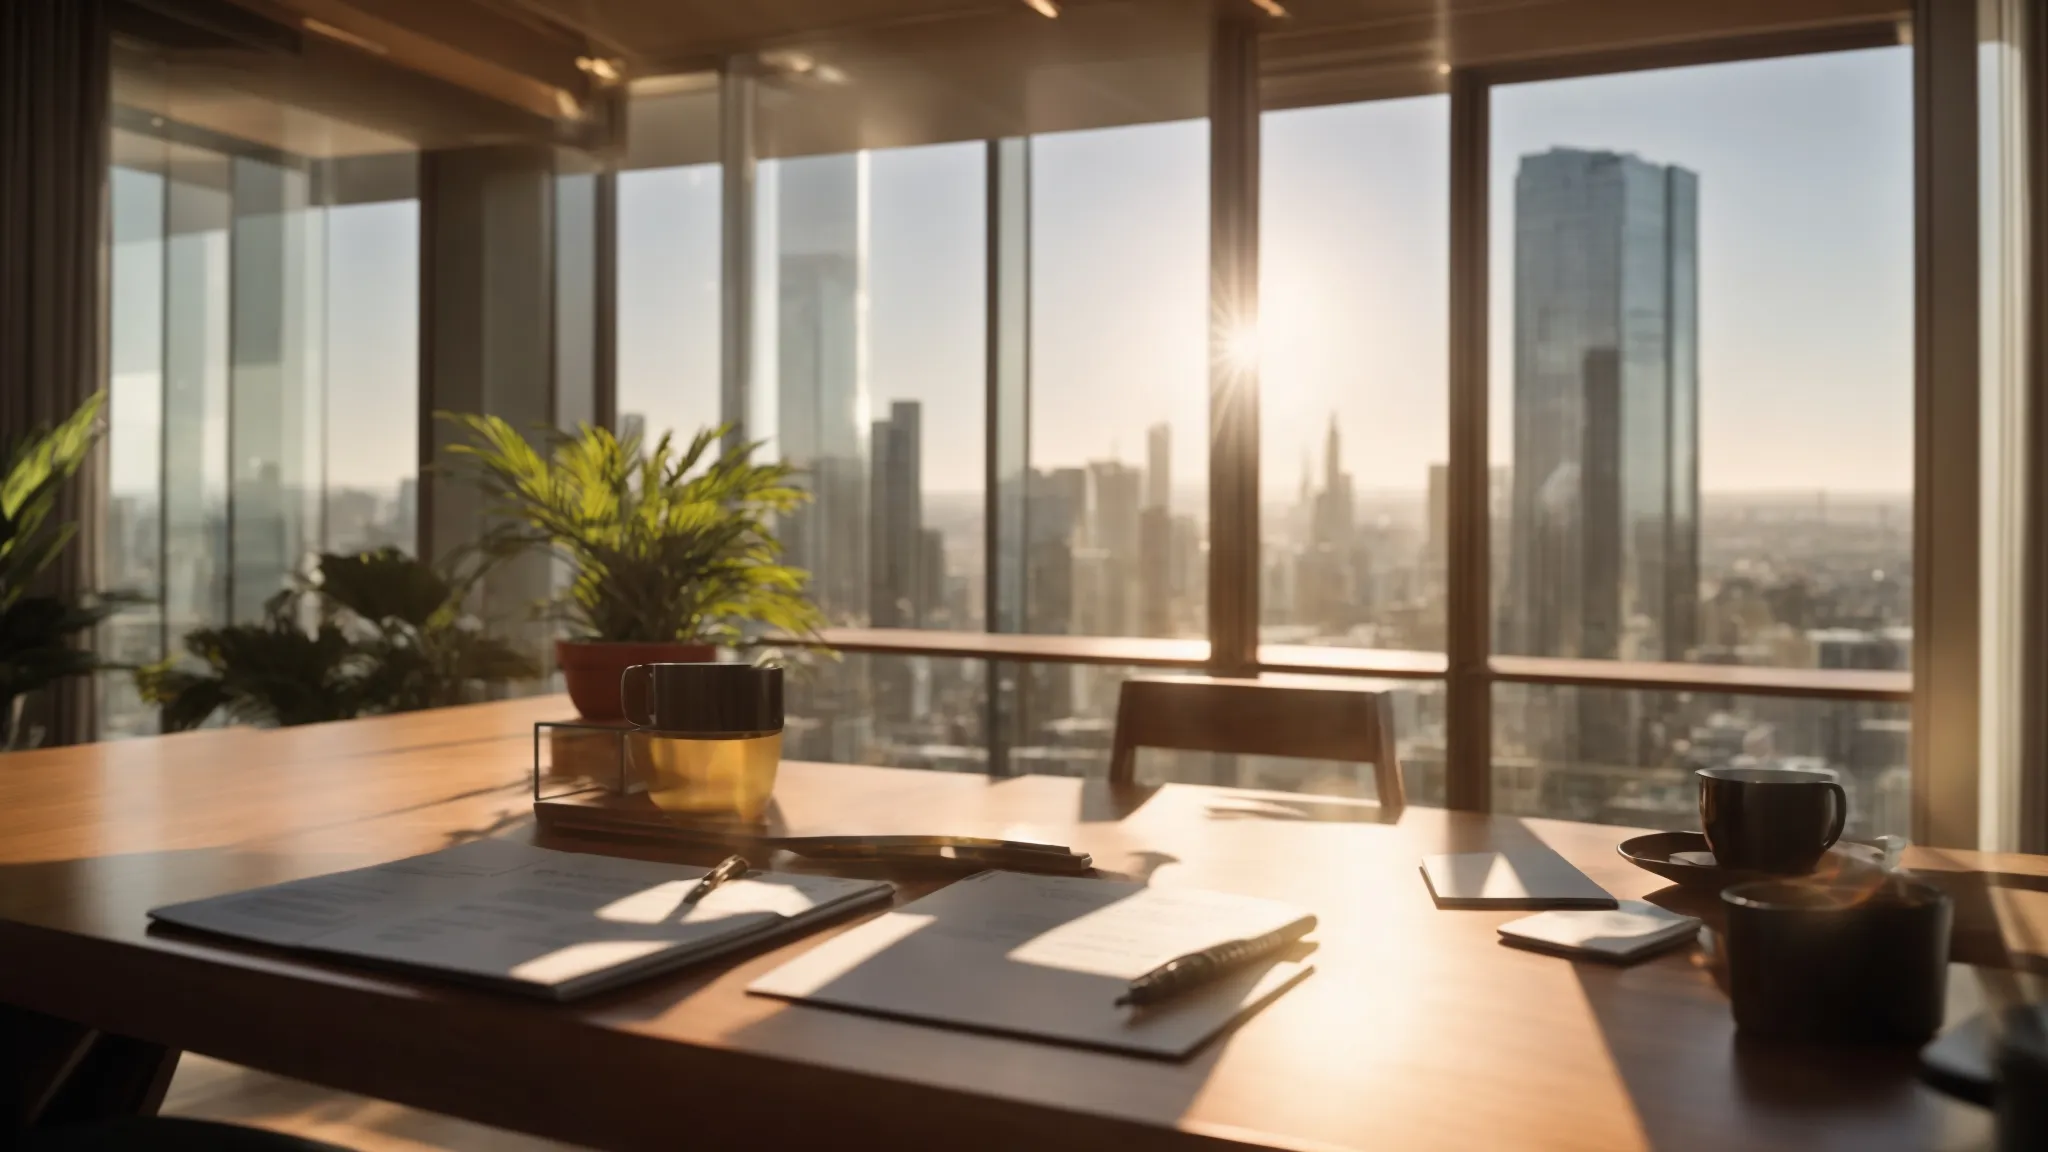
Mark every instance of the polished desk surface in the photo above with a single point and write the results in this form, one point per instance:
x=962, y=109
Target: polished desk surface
x=1418, y=1029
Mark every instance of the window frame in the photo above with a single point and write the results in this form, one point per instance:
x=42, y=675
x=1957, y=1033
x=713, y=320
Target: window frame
x=1944, y=699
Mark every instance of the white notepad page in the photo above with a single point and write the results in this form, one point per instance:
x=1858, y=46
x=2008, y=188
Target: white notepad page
x=1045, y=957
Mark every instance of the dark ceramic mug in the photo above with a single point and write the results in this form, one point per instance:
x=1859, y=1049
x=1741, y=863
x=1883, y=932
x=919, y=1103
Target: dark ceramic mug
x=1770, y=819
x=1838, y=963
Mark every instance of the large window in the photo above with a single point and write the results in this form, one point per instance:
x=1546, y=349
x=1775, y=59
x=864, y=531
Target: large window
x=1354, y=299
x=1659, y=424
x=263, y=381
x=1702, y=340
x=872, y=286
x=1703, y=359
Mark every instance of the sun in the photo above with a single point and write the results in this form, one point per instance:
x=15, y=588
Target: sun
x=1240, y=346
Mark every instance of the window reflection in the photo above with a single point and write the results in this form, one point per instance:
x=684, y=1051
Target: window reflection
x=263, y=358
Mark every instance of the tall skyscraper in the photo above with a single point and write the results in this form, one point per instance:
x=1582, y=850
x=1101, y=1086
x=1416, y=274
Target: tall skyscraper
x=1114, y=539
x=1155, y=536
x=1604, y=528
x=1159, y=466
x=1325, y=591
x=897, y=597
x=1604, y=556
x=821, y=369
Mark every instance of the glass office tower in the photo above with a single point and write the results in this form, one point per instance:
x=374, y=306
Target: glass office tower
x=1604, y=560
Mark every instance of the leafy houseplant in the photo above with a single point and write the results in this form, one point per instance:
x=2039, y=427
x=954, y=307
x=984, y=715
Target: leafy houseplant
x=674, y=551
x=36, y=630
x=375, y=632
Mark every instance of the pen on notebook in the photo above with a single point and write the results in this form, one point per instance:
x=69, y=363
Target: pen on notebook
x=1198, y=968
x=730, y=868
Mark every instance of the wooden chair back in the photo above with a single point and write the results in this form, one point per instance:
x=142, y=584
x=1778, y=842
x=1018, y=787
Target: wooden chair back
x=1313, y=718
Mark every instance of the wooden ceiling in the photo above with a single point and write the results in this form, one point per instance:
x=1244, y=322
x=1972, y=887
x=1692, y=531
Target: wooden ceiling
x=841, y=74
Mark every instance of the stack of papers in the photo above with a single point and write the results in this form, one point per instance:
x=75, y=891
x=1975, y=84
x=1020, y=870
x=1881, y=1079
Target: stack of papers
x=531, y=920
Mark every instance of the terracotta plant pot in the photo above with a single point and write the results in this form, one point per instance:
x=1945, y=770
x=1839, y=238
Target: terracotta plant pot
x=591, y=669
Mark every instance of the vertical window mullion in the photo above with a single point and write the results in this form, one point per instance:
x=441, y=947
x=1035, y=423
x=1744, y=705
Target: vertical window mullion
x=1468, y=705
x=1233, y=380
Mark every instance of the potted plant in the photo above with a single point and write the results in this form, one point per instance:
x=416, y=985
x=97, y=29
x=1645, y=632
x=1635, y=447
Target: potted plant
x=674, y=553
x=370, y=633
x=37, y=631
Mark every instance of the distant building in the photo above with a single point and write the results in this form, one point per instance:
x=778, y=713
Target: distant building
x=1606, y=497
x=1603, y=559
x=897, y=596
x=1159, y=466
x=1326, y=577
x=1156, y=591
x=1115, y=542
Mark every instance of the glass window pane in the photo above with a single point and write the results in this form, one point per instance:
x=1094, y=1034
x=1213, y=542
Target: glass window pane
x=1702, y=356
x=195, y=405
x=668, y=300
x=1354, y=303
x=275, y=292
x=1118, y=491
x=1646, y=779
x=133, y=560
x=372, y=438
x=927, y=368
x=871, y=283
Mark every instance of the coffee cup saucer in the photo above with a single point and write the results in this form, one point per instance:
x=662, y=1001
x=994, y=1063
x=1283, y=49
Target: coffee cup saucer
x=1684, y=859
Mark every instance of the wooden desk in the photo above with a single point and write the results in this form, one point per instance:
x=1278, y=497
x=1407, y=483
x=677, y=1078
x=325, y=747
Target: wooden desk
x=1417, y=1031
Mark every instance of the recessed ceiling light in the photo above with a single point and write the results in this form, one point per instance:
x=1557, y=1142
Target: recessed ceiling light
x=1045, y=8
x=323, y=28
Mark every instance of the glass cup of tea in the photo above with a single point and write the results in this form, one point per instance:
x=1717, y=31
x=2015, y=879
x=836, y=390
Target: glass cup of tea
x=708, y=736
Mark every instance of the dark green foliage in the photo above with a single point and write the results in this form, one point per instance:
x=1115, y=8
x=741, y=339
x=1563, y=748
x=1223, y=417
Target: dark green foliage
x=375, y=632
x=667, y=545
x=36, y=631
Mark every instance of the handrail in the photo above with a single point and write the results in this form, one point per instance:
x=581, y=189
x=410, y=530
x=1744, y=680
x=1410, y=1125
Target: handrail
x=1882, y=686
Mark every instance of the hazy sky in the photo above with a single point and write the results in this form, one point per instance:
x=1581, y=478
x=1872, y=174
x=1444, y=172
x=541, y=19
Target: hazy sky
x=1805, y=283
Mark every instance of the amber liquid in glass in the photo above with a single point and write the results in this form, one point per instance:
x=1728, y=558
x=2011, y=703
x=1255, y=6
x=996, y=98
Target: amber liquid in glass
x=725, y=775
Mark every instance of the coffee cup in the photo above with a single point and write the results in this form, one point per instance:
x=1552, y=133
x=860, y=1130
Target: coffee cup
x=705, y=701
x=1770, y=819
x=1838, y=963
x=709, y=736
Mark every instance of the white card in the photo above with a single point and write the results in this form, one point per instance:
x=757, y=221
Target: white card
x=1634, y=929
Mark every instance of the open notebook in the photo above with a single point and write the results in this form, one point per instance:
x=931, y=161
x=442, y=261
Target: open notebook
x=1046, y=957
x=531, y=920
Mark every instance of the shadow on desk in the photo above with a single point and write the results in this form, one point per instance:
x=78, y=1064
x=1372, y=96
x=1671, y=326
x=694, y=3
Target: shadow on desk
x=1685, y=1095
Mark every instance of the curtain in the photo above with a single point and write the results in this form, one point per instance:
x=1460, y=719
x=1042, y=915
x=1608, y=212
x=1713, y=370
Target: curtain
x=53, y=172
